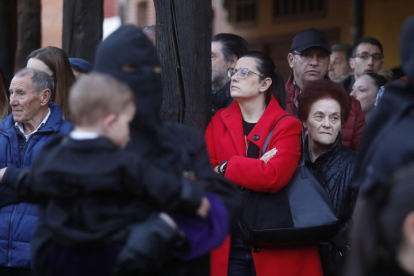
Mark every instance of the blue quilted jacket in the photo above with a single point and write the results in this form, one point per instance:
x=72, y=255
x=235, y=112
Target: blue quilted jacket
x=18, y=220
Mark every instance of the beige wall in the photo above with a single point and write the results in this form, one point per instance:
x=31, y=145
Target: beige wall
x=52, y=22
x=132, y=12
x=338, y=16
x=383, y=20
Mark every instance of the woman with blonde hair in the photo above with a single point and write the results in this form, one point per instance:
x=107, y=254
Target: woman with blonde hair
x=55, y=62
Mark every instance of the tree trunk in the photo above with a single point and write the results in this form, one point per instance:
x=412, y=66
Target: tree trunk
x=8, y=21
x=29, y=32
x=82, y=28
x=184, y=47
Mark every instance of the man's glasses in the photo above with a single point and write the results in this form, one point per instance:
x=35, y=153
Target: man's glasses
x=241, y=73
x=307, y=57
x=366, y=56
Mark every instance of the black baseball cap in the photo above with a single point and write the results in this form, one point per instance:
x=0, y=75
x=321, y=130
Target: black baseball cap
x=310, y=38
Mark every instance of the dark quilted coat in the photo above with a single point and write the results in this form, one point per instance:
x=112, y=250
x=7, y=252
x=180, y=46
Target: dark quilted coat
x=351, y=130
x=334, y=169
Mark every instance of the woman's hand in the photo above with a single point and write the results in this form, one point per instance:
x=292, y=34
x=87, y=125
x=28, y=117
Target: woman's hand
x=2, y=171
x=268, y=155
x=216, y=168
x=204, y=208
x=221, y=168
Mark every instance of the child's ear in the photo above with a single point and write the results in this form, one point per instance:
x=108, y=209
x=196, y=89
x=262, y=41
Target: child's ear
x=108, y=121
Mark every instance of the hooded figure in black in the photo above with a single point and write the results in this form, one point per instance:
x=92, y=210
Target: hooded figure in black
x=387, y=143
x=128, y=55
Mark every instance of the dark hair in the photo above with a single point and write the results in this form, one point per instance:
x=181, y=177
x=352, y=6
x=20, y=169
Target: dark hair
x=58, y=62
x=267, y=68
x=40, y=80
x=377, y=79
x=232, y=45
x=369, y=40
x=377, y=230
x=323, y=89
x=347, y=48
x=397, y=73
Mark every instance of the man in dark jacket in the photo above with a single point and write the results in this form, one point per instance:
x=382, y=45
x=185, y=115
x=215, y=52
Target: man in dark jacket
x=367, y=57
x=226, y=49
x=33, y=122
x=309, y=60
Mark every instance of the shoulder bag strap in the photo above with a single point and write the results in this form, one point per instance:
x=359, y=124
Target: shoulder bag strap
x=266, y=143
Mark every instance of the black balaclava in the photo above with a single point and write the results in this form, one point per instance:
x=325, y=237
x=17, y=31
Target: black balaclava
x=407, y=49
x=129, y=56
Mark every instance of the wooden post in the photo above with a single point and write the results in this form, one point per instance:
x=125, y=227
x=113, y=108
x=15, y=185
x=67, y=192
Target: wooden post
x=29, y=32
x=82, y=28
x=184, y=47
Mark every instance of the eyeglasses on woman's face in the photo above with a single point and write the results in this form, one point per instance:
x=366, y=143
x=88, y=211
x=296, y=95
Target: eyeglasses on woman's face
x=241, y=73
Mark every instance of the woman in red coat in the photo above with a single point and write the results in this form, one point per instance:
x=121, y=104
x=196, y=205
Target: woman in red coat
x=235, y=138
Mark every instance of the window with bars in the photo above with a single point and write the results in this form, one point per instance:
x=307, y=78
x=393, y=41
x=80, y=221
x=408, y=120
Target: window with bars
x=246, y=11
x=293, y=9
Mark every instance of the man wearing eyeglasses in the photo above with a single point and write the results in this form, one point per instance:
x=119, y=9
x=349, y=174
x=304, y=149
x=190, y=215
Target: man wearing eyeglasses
x=367, y=57
x=309, y=59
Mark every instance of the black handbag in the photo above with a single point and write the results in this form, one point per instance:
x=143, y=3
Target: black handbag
x=301, y=211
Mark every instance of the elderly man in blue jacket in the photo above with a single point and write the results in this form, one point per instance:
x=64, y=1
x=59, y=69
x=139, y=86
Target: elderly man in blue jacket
x=34, y=121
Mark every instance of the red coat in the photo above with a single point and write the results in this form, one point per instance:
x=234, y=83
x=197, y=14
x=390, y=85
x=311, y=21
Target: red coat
x=351, y=130
x=225, y=141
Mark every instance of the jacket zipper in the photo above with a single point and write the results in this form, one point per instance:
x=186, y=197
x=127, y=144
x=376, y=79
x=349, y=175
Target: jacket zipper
x=12, y=213
x=10, y=235
x=11, y=220
x=15, y=205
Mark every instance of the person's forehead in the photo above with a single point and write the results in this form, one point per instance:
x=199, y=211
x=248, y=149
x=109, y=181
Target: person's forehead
x=216, y=47
x=246, y=62
x=338, y=54
x=24, y=82
x=364, y=80
x=325, y=103
x=369, y=48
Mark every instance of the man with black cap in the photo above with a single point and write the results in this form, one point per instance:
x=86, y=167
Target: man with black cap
x=309, y=60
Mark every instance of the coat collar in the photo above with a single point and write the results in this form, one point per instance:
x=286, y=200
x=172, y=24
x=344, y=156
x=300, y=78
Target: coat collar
x=329, y=153
x=52, y=124
x=232, y=119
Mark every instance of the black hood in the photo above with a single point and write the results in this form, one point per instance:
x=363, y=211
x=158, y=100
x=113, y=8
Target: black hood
x=407, y=49
x=129, y=47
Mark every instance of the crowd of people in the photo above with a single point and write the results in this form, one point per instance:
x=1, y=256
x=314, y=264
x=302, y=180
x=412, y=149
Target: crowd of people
x=92, y=182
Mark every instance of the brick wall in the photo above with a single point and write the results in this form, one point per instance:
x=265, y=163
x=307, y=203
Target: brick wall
x=141, y=12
